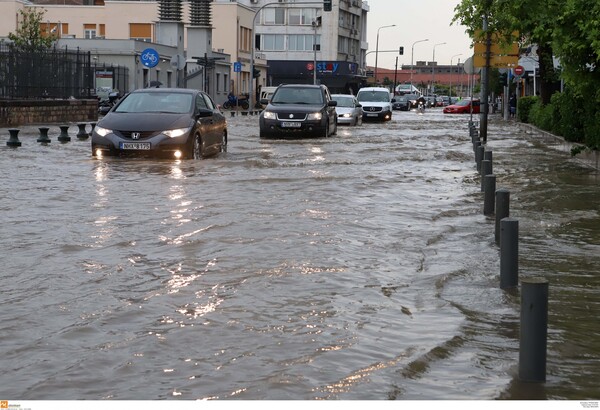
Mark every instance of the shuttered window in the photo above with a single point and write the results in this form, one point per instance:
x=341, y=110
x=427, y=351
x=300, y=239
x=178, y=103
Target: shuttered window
x=140, y=31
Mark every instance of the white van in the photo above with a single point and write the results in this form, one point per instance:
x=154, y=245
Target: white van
x=266, y=93
x=376, y=103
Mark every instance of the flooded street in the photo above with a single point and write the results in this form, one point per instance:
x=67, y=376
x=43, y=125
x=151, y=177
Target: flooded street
x=359, y=267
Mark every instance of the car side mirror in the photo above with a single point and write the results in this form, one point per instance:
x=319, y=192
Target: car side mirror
x=203, y=113
x=393, y=100
x=264, y=101
x=332, y=103
x=358, y=105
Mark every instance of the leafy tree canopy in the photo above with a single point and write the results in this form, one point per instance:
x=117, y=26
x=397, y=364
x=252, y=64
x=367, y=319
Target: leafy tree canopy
x=29, y=36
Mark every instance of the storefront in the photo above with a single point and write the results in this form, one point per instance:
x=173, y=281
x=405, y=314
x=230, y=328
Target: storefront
x=338, y=76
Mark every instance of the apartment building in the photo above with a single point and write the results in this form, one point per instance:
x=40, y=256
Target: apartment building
x=297, y=37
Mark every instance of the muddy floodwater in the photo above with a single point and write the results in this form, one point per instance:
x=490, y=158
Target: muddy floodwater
x=355, y=267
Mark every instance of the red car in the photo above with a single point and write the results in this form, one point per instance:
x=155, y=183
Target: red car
x=463, y=107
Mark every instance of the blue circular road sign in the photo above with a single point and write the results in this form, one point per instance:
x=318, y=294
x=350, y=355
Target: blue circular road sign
x=149, y=57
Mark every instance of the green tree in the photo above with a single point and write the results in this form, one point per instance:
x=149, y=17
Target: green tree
x=532, y=19
x=28, y=36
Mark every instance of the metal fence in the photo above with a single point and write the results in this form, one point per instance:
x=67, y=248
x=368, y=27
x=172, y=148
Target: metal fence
x=52, y=73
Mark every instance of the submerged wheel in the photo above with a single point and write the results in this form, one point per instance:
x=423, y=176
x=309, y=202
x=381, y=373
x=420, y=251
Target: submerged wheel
x=224, y=142
x=196, y=151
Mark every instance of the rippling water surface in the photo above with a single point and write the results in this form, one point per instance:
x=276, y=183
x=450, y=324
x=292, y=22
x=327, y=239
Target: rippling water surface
x=356, y=267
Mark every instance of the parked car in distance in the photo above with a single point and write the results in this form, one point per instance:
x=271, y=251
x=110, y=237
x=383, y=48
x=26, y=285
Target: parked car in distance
x=463, y=107
x=348, y=109
x=402, y=103
x=376, y=103
x=298, y=110
x=162, y=122
x=443, y=100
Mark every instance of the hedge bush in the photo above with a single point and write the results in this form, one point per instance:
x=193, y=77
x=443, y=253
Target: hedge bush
x=574, y=117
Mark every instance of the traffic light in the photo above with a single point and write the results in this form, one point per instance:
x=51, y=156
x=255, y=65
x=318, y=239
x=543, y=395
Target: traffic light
x=256, y=73
x=401, y=51
x=327, y=5
x=502, y=78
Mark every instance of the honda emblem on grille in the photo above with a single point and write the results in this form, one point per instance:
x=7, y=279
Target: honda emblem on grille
x=135, y=135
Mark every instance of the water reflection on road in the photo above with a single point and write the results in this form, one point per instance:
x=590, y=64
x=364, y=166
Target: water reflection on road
x=356, y=267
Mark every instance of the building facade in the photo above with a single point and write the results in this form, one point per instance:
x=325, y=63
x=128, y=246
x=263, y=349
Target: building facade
x=242, y=46
x=302, y=43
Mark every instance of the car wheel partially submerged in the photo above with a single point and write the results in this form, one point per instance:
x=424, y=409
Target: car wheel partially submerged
x=224, y=143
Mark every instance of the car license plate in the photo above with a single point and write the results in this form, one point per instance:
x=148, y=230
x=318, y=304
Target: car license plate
x=135, y=145
x=291, y=124
x=372, y=115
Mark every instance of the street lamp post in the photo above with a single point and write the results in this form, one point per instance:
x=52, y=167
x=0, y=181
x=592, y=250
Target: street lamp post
x=452, y=73
x=433, y=70
x=412, y=53
x=377, y=47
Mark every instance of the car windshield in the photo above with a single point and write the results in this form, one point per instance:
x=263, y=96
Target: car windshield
x=463, y=103
x=298, y=95
x=344, y=101
x=164, y=102
x=373, y=96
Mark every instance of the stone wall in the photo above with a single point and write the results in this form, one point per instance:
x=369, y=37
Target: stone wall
x=15, y=113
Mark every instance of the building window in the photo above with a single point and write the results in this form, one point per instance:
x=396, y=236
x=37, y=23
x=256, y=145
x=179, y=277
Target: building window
x=301, y=17
x=245, y=39
x=301, y=42
x=218, y=82
x=273, y=42
x=274, y=16
x=89, y=31
x=140, y=31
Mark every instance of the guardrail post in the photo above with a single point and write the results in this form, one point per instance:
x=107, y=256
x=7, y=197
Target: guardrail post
x=534, y=330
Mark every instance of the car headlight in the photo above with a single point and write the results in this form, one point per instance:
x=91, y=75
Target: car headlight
x=103, y=132
x=268, y=115
x=176, y=133
x=346, y=115
x=315, y=116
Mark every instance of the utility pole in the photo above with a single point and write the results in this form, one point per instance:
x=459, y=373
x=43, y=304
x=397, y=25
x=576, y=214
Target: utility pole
x=485, y=78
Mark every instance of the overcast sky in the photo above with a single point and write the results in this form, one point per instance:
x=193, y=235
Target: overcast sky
x=415, y=20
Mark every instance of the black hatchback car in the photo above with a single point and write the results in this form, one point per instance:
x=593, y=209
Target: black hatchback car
x=299, y=110
x=162, y=122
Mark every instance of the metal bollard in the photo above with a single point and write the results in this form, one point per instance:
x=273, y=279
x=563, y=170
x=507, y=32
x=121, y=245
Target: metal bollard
x=475, y=145
x=509, y=253
x=534, y=330
x=502, y=210
x=489, y=189
x=479, y=156
x=487, y=155
x=486, y=169
x=43, y=138
x=64, y=134
x=82, y=133
x=13, y=139
x=233, y=113
x=474, y=135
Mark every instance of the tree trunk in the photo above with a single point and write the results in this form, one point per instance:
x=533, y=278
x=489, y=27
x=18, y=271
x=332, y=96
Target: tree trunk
x=547, y=73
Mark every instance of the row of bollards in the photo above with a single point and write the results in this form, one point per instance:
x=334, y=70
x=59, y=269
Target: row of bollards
x=249, y=112
x=82, y=134
x=534, y=291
